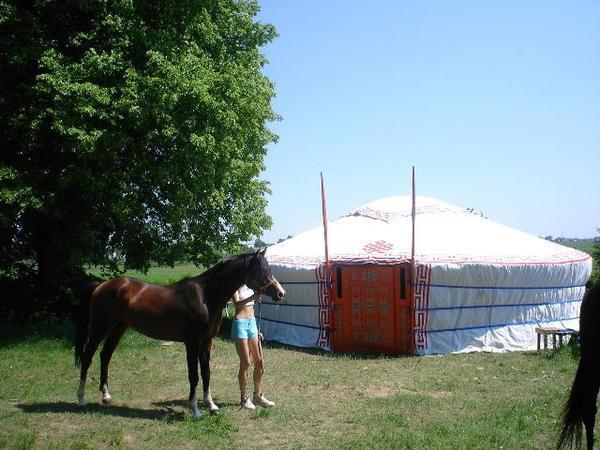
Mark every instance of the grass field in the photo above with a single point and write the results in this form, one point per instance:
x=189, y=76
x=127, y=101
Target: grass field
x=159, y=275
x=477, y=400
x=339, y=401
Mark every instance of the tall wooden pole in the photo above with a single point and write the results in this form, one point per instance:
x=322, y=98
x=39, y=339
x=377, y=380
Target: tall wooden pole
x=325, y=238
x=326, y=320
x=413, y=272
x=413, y=214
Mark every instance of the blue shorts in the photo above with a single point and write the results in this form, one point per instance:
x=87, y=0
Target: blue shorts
x=244, y=329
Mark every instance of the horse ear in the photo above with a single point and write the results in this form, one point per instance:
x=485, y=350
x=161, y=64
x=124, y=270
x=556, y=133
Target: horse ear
x=264, y=250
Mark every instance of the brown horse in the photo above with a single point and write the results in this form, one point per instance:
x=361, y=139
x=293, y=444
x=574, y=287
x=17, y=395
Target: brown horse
x=581, y=405
x=188, y=311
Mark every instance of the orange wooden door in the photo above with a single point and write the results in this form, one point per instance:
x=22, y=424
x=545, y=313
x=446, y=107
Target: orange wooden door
x=368, y=314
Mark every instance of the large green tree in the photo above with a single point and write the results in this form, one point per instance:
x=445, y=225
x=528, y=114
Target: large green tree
x=131, y=131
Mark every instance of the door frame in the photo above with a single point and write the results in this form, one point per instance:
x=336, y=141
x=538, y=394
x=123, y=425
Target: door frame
x=402, y=305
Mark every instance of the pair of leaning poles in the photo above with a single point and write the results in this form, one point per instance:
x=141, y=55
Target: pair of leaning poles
x=328, y=270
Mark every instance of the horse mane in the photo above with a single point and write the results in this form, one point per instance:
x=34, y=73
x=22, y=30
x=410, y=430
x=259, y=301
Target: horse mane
x=216, y=268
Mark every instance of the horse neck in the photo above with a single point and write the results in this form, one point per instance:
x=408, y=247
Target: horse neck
x=221, y=286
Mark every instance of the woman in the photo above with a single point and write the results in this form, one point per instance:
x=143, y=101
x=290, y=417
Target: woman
x=245, y=336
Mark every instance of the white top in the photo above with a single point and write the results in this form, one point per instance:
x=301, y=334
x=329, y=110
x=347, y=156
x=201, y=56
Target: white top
x=244, y=292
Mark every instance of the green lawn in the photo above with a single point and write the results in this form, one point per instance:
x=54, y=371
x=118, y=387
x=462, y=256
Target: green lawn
x=159, y=275
x=478, y=400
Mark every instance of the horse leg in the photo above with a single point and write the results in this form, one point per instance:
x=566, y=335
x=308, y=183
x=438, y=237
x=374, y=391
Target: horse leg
x=589, y=422
x=107, y=350
x=205, y=372
x=589, y=413
x=191, y=349
x=90, y=348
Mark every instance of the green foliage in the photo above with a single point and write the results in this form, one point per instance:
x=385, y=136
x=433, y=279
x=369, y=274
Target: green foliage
x=585, y=245
x=259, y=243
x=595, y=278
x=131, y=132
x=590, y=246
x=158, y=275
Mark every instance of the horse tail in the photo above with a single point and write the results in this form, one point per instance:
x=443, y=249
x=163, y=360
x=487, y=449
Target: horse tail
x=572, y=414
x=83, y=316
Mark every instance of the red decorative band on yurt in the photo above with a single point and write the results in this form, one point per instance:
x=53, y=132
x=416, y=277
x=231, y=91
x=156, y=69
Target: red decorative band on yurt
x=422, y=280
x=323, y=340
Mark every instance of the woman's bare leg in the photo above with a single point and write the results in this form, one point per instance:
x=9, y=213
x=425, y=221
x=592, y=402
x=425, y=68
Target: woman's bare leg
x=241, y=346
x=257, y=359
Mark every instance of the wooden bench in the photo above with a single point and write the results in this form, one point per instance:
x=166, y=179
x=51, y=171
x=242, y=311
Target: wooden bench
x=556, y=333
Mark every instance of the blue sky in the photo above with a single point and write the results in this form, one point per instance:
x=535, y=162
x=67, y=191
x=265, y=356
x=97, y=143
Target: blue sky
x=496, y=104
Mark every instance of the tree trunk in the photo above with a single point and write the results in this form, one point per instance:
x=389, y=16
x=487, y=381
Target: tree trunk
x=53, y=273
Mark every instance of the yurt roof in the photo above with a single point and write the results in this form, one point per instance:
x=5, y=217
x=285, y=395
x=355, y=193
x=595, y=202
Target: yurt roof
x=380, y=233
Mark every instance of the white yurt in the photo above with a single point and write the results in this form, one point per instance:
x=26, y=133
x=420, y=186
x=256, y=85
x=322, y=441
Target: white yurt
x=477, y=285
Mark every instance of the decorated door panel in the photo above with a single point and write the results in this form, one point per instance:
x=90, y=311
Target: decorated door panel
x=369, y=314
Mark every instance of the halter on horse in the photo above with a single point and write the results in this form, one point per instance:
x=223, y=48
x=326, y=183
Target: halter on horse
x=188, y=311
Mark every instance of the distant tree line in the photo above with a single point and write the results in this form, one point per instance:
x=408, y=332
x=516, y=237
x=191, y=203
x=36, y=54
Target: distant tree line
x=590, y=246
x=595, y=278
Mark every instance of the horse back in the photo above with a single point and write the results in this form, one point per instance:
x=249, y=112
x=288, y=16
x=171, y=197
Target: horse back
x=156, y=311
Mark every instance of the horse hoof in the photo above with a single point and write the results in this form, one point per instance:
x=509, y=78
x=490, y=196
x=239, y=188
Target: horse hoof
x=81, y=404
x=197, y=416
x=107, y=400
x=212, y=408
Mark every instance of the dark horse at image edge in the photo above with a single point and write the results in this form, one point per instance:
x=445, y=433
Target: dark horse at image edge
x=189, y=311
x=581, y=404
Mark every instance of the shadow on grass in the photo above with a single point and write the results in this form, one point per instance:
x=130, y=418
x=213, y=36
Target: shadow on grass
x=12, y=333
x=169, y=404
x=165, y=413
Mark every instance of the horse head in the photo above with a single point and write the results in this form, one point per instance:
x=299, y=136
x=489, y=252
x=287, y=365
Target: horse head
x=260, y=278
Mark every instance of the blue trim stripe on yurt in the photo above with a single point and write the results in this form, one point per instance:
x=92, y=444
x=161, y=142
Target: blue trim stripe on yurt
x=298, y=324
x=499, y=288
x=293, y=304
x=442, y=308
x=507, y=305
x=500, y=325
x=442, y=330
x=451, y=286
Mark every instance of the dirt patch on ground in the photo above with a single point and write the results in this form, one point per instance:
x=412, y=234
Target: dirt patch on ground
x=373, y=390
x=384, y=390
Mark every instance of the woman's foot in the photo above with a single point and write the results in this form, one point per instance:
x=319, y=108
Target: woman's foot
x=261, y=400
x=247, y=403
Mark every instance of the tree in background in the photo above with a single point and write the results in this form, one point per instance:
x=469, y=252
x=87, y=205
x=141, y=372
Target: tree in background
x=131, y=131
x=259, y=243
x=596, y=258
